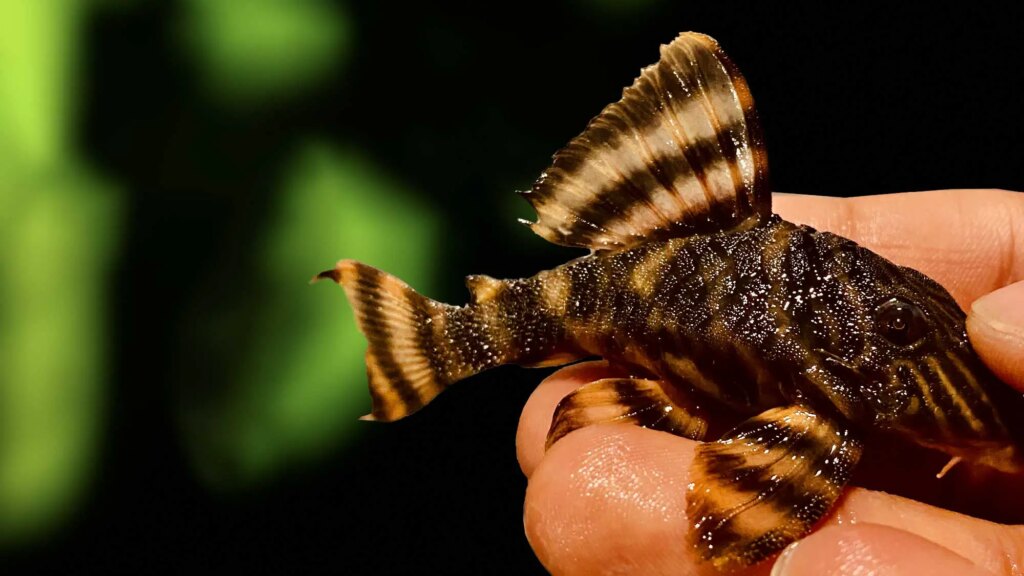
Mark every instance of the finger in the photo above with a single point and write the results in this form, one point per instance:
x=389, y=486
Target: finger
x=967, y=240
x=994, y=547
x=870, y=549
x=612, y=498
x=996, y=327
x=598, y=506
x=540, y=408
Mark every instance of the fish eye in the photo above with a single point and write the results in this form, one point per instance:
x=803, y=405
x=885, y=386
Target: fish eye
x=900, y=322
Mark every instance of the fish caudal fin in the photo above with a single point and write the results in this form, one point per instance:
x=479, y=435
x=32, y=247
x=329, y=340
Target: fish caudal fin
x=407, y=363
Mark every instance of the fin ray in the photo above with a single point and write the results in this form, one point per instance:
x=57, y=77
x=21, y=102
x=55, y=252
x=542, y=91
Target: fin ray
x=403, y=356
x=680, y=153
x=635, y=401
x=766, y=482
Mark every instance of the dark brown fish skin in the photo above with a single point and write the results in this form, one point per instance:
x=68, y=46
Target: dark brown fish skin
x=763, y=316
x=777, y=314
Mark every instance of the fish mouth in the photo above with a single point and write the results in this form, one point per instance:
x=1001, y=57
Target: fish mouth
x=947, y=402
x=958, y=407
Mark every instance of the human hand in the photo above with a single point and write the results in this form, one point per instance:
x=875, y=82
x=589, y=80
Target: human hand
x=611, y=499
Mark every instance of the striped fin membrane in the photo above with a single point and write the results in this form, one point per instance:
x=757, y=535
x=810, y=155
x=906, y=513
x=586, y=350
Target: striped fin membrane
x=766, y=482
x=405, y=359
x=681, y=153
x=634, y=401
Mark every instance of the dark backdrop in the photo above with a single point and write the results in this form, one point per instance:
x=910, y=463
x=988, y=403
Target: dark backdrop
x=467, y=102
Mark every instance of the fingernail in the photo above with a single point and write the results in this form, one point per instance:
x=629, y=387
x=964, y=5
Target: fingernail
x=1002, y=310
x=779, y=568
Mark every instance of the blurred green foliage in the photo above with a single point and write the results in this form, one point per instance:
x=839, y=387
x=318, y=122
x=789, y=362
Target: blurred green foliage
x=295, y=378
x=59, y=226
x=58, y=232
x=299, y=384
x=37, y=83
x=258, y=50
x=295, y=382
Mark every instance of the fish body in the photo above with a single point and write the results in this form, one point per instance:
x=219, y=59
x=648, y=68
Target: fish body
x=706, y=299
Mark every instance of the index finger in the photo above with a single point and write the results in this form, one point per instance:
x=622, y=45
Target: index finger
x=970, y=241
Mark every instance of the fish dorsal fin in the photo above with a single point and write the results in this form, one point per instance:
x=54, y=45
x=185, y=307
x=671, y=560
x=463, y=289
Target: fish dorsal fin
x=681, y=153
x=482, y=287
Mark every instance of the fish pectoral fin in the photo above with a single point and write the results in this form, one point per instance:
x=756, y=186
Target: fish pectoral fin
x=626, y=400
x=680, y=154
x=766, y=482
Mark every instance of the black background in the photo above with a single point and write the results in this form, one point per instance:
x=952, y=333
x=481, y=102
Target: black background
x=861, y=100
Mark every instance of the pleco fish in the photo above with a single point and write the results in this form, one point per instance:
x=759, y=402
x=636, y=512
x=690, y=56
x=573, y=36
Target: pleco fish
x=711, y=300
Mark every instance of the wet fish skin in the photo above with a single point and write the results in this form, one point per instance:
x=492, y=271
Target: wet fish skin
x=753, y=319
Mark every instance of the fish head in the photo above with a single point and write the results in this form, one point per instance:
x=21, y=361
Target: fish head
x=910, y=369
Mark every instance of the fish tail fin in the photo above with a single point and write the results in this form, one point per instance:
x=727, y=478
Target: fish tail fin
x=408, y=362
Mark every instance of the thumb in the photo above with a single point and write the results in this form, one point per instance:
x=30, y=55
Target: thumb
x=996, y=327
x=858, y=549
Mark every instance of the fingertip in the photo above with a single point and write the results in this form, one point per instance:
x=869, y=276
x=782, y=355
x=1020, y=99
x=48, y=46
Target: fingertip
x=540, y=407
x=986, y=544
x=853, y=550
x=996, y=328
x=611, y=499
x=536, y=419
